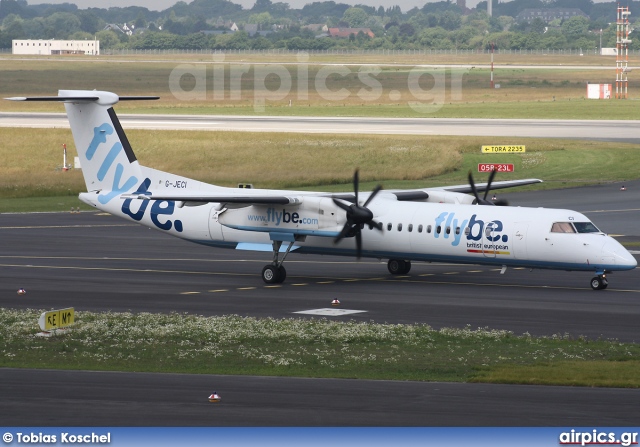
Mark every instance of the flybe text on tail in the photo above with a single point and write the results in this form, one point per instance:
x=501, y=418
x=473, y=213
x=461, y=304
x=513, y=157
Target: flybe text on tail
x=100, y=134
x=159, y=210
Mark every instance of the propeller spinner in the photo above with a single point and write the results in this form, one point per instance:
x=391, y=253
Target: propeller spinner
x=357, y=215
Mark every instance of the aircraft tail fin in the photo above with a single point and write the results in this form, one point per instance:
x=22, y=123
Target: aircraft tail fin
x=108, y=162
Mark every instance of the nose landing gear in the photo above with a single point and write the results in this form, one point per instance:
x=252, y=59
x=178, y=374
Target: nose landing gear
x=398, y=266
x=599, y=282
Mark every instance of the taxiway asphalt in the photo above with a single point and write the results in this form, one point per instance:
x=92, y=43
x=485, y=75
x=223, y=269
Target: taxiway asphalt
x=604, y=130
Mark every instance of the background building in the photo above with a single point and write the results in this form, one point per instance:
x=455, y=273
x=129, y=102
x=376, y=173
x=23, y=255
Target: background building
x=549, y=14
x=49, y=47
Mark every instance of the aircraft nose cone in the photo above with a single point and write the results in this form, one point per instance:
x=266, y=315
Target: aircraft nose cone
x=614, y=251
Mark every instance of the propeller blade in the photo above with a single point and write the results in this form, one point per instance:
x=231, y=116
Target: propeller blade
x=344, y=232
x=356, y=184
x=357, y=215
x=473, y=187
x=491, y=176
x=376, y=190
x=342, y=204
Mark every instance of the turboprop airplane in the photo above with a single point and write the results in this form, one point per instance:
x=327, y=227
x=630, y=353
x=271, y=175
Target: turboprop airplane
x=431, y=225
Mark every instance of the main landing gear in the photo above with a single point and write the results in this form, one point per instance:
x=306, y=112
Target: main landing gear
x=398, y=266
x=599, y=282
x=275, y=272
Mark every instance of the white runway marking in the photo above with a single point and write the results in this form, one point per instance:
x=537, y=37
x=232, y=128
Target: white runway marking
x=330, y=312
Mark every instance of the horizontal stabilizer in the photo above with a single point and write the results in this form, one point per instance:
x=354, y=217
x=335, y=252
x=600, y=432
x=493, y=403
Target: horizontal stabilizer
x=55, y=98
x=138, y=98
x=104, y=98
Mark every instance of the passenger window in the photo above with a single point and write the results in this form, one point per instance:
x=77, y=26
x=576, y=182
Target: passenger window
x=389, y=227
x=467, y=231
x=410, y=228
x=458, y=230
x=439, y=229
x=419, y=228
x=448, y=230
x=399, y=227
x=562, y=227
x=428, y=228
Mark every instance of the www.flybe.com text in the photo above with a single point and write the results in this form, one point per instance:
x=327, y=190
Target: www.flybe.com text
x=279, y=217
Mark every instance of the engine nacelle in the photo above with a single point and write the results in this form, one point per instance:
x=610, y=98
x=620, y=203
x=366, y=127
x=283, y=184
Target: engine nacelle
x=440, y=196
x=313, y=216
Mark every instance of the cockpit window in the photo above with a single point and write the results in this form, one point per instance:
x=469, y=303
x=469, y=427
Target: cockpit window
x=562, y=227
x=586, y=227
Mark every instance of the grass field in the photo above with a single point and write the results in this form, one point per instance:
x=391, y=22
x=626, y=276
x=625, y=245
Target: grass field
x=261, y=85
x=314, y=348
x=32, y=158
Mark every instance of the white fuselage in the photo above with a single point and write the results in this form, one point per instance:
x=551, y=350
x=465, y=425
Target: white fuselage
x=420, y=231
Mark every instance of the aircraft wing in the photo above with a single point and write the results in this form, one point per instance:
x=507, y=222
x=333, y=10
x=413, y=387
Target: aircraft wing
x=254, y=199
x=466, y=188
x=240, y=199
x=295, y=198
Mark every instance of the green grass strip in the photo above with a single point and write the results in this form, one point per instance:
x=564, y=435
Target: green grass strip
x=313, y=348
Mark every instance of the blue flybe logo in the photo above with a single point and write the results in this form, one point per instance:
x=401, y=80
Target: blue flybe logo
x=159, y=210
x=119, y=186
x=471, y=229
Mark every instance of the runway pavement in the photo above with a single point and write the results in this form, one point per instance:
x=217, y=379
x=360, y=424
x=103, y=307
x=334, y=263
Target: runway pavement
x=86, y=398
x=98, y=262
x=604, y=130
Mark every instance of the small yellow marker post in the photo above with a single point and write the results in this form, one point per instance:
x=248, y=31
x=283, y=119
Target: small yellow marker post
x=56, y=319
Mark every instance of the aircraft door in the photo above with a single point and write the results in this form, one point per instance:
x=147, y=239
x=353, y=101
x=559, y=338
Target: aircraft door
x=520, y=240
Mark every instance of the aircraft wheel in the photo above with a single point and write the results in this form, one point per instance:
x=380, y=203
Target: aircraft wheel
x=398, y=266
x=599, y=283
x=270, y=274
x=282, y=274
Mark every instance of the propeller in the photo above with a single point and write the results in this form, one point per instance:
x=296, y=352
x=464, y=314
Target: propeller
x=484, y=200
x=357, y=215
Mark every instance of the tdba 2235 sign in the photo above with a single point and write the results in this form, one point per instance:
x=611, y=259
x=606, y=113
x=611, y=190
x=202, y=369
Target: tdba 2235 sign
x=508, y=149
x=500, y=167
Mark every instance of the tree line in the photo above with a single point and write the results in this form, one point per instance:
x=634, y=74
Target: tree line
x=204, y=24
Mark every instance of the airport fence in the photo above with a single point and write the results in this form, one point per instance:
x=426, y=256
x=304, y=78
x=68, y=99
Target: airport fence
x=347, y=51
